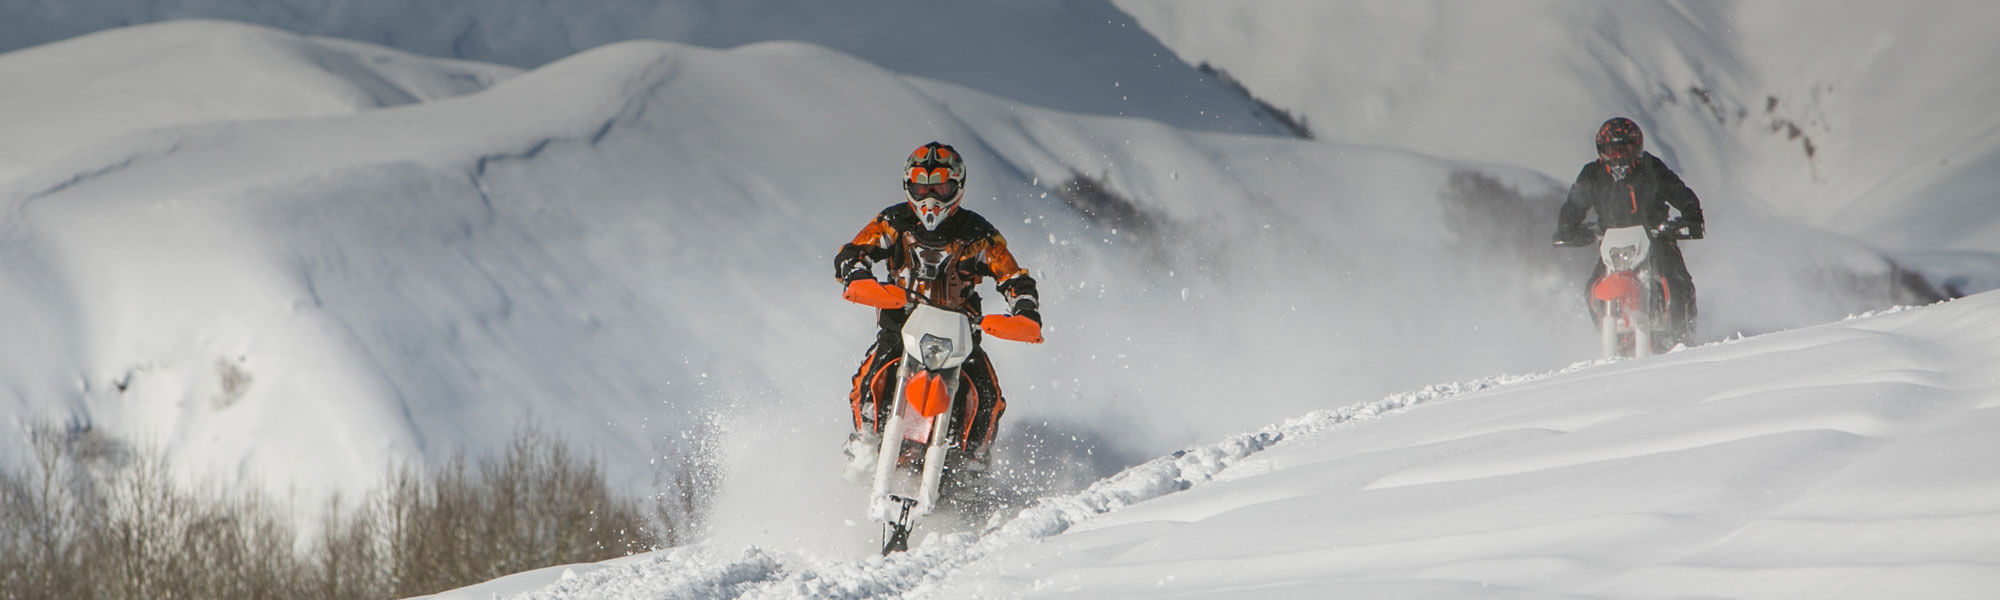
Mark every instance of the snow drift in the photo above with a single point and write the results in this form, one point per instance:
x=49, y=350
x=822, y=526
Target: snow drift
x=1839, y=461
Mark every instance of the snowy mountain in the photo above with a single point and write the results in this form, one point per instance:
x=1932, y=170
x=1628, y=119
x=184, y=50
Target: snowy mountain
x=1076, y=56
x=290, y=261
x=1856, y=116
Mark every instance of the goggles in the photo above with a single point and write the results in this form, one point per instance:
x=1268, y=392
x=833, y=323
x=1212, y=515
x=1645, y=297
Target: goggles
x=943, y=190
x=1618, y=152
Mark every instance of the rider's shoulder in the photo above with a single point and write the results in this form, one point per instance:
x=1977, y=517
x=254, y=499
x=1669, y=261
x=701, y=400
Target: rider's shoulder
x=972, y=225
x=899, y=216
x=1653, y=161
x=974, y=219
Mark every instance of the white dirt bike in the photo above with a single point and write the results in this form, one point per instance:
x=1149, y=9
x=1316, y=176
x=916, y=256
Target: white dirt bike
x=1631, y=301
x=917, y=439
x=917, y=450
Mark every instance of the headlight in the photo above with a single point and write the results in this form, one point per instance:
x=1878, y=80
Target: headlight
x=934, y=350
x=1623, y=258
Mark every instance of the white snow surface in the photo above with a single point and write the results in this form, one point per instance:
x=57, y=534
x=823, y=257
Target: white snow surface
x=1839, y=461
x=293, y=261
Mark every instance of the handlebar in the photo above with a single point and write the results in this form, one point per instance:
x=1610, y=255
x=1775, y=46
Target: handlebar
x=869, y=292
x=1676, y=229
x=1673, y=229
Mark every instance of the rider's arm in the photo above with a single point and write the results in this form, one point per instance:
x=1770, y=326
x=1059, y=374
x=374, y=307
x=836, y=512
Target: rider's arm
x=1014, y=283
x=1569, y=221
x=856, y=260
x=1682, y=199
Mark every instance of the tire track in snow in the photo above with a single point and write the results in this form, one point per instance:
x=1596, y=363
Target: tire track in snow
x=760, y=574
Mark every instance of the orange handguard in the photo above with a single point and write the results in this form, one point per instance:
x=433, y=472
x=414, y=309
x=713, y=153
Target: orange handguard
x=875, y=293
x=1012, y=327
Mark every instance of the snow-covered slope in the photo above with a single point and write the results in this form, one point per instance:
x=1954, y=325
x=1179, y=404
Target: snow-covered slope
x=637, y=234
x=1862, y=117
x=69, y=95
x=1071, y=55
x=349, y=256
x=640, y=233
x=1839, y=461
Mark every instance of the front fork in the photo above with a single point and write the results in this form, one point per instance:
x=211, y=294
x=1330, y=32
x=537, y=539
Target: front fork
x=1639, y=320
x=903, y=427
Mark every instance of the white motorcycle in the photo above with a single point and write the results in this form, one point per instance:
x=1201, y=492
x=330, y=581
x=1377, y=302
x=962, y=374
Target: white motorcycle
x=911, y=462
x=915, y=455
x=1631, y=301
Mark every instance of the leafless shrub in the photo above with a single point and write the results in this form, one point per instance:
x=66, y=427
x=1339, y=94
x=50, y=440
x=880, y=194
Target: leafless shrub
x=537, y=505
x=89, y=520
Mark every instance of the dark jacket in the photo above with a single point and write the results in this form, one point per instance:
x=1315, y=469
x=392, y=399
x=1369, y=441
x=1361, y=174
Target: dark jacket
x=963, y=251
x=1641, y=199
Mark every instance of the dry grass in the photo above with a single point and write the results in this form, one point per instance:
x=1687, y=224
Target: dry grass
x=90, y=518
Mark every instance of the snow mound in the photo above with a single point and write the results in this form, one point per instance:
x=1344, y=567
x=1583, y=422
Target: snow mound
x=85, y=90
x=1832, y=461
x=1079, y=56
x=706, y=572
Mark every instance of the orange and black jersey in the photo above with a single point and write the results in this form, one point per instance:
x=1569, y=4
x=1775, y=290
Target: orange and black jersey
x=1641, y=199
x=941, y=266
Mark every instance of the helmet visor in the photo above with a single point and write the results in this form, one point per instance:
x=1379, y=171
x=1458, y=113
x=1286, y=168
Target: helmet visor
x=1618, y=152
x=943, y=190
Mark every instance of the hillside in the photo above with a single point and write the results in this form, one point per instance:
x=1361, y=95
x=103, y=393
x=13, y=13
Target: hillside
x=288, y=262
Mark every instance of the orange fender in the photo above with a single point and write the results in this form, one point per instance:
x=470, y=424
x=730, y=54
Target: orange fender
x=1015, y=327
x=1615, y=286
x=875, y=293
x=926, y=393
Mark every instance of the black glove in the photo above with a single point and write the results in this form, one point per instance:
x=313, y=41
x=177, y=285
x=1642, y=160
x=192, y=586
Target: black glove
x=1672, y=229
x=854, y=269
x=1027, y=307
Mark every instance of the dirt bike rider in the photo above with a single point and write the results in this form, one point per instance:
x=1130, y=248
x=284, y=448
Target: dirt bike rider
x=937, y=252
x=1628, y=186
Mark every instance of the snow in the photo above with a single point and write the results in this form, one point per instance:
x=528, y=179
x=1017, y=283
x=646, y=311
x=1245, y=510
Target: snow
x=1838, y=461
x=84, y=90
x=1855, y=116
x=291, y=261
x=1038, y=52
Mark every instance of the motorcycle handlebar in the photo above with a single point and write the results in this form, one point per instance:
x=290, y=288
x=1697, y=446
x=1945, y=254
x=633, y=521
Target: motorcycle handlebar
x=885, y=296
x=1590, y=233
x=1675, y=229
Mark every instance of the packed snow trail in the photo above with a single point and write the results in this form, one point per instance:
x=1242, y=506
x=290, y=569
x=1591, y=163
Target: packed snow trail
x=706, y=573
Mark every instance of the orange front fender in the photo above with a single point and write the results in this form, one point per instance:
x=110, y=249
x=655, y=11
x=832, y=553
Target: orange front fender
x=926, y=393
x=1615, y=286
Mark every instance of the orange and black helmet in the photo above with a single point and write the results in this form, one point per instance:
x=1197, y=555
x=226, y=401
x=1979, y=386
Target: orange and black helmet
x=1619, y=142
x=934, y=182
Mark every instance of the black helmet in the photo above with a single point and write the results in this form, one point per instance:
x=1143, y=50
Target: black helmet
x=1619, y=143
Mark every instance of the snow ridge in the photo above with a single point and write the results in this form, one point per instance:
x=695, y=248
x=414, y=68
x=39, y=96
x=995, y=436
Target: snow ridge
x=698, y=572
